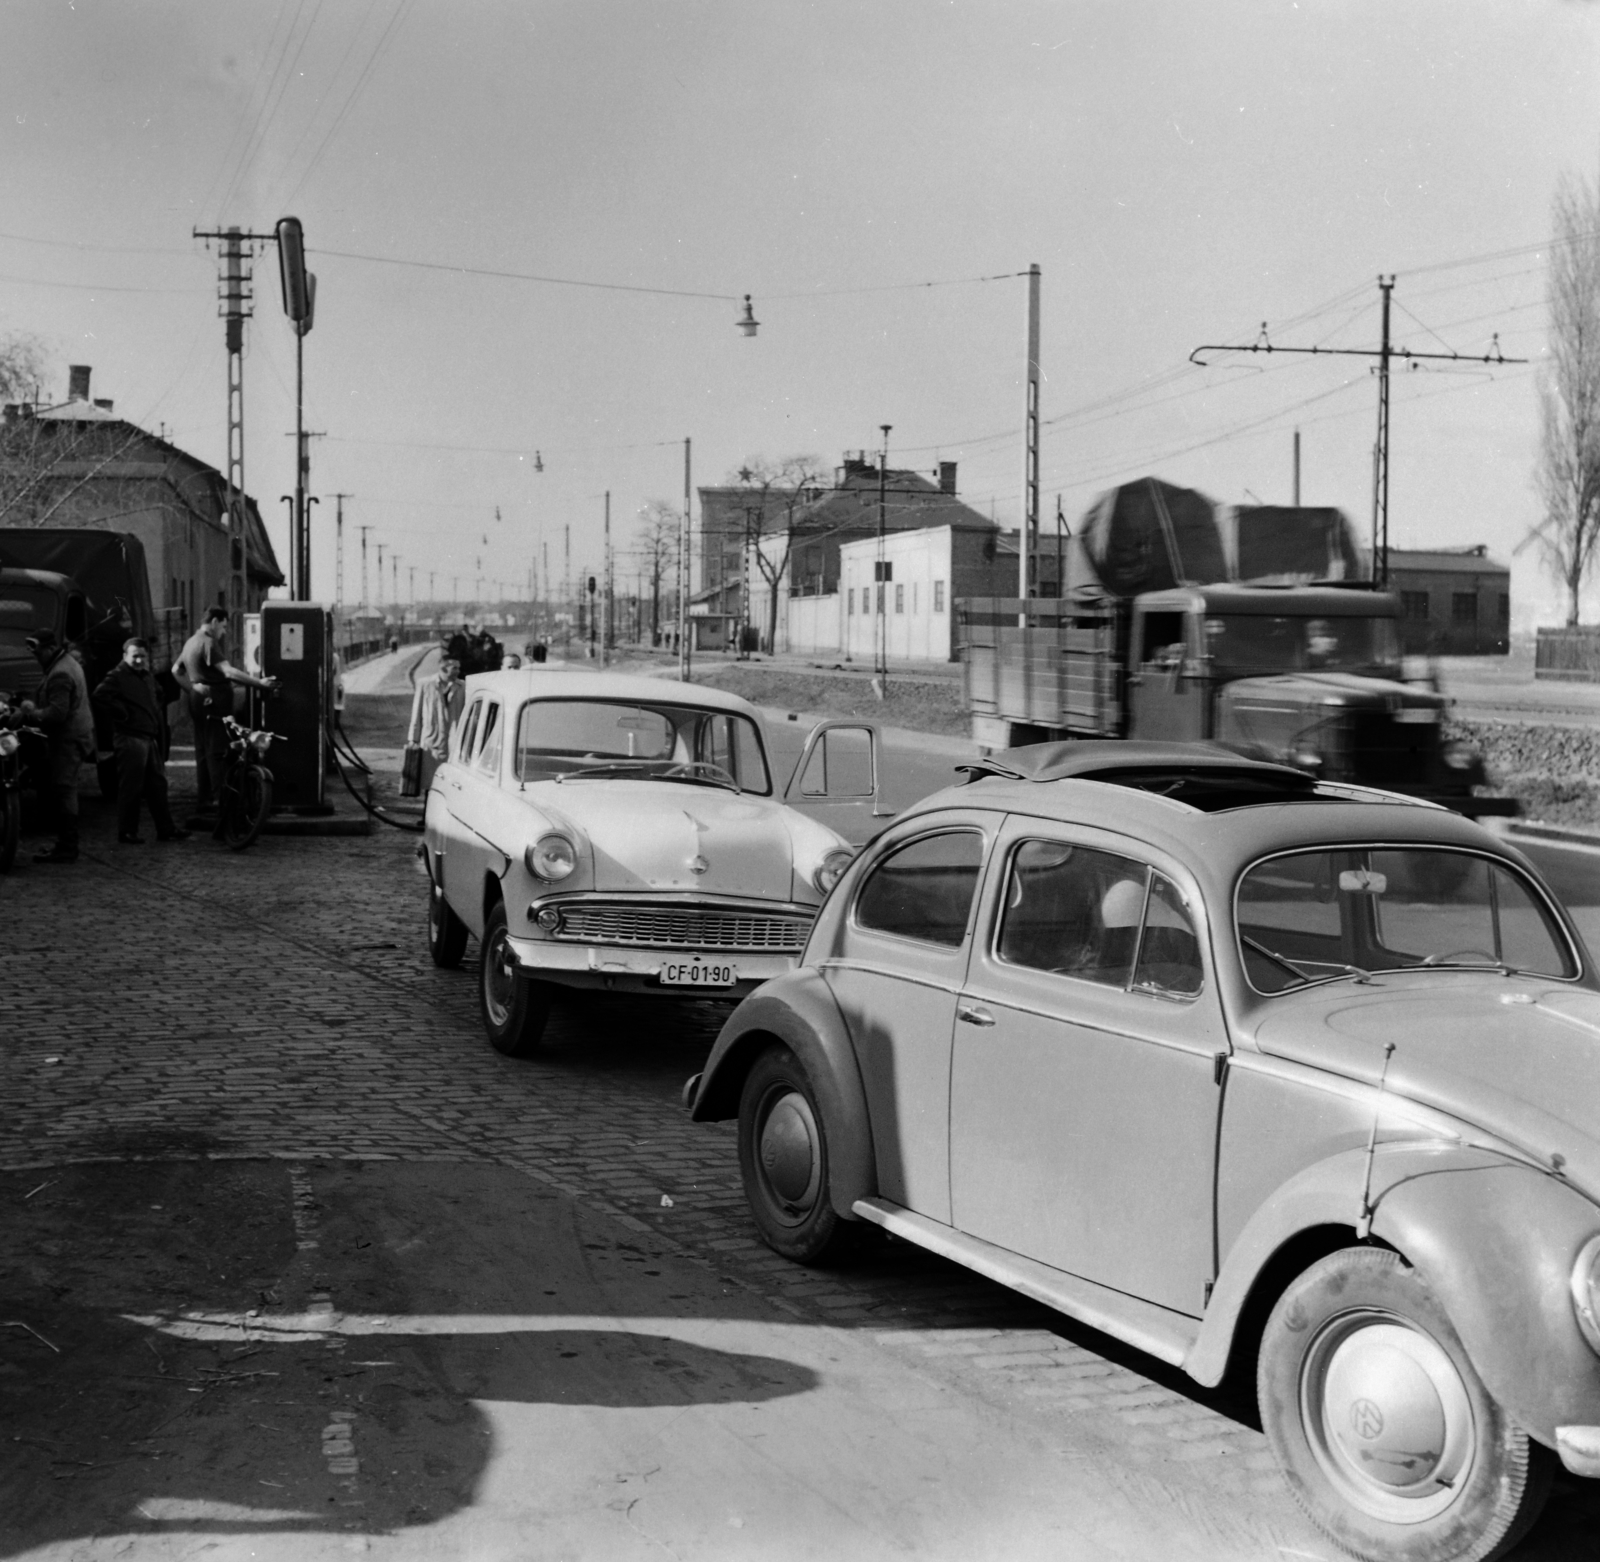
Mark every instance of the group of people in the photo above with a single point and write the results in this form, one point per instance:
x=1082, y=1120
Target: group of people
x=133, y=701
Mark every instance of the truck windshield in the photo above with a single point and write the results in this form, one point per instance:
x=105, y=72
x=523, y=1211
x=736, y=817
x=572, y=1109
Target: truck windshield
x=25, y=610
x=1243, y=645
x=1354, y=911
x=618, y=738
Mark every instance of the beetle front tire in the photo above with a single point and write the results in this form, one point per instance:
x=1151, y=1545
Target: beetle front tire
x=447, y=933
x=515, y=1009
x=1385, y=1433
x=783, y=1159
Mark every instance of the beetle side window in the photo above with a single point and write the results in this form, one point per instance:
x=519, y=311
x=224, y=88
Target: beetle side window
x=924, y=889
x=1074, y=911
x=1169, y=952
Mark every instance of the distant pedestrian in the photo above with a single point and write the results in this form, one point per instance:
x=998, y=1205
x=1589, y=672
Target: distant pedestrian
x=61, y=708
x=132, y=703
x=434, y=710
x=510, y=662
x=208, y=677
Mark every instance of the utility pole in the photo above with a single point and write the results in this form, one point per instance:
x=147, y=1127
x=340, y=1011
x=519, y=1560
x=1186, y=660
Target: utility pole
x=685, y=537
x=1384, y=352
x=235, y=297
x=1297, y=469
x=379, y=602
x=605, y=633
x=338, y=548
x=1028, y=565
x=365, y=599
x=413, y=569
x=394, y=578
x=881, y=585
x=566, y=576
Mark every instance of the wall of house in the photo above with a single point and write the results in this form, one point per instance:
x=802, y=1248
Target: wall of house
x=1453, y=612
x=814, y=624
x=916, y=603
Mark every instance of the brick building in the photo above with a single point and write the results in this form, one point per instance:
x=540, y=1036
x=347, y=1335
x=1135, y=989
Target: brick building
x=79, y=464
x=1453, y=601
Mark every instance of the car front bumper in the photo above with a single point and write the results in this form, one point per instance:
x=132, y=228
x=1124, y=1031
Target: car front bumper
x=1579, y=1448
x=616, y=969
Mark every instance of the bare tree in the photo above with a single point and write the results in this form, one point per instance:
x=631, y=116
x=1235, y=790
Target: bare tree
x=660, y=525
x=1568, y=473
x=779, y=491
x=23, y=363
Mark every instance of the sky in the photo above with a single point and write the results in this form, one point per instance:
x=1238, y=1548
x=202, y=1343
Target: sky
x=533, y=223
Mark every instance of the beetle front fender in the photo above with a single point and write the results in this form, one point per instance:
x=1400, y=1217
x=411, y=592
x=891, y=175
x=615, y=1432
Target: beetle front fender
x=799, y=1010
x=1496, y=1244
x=1494, y=1239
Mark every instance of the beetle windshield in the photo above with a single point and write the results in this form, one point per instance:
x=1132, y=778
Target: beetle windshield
x=1243, y=645
x=626, y=738
x=1315, y=915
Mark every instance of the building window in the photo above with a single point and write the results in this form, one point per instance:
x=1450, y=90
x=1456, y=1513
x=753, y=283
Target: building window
x=850, y=602
x=938, y=596
x=1414, y=605
x=1464, y=607
x=899, y=599
x=914, y=608
x=1505, y=607
x=880, y=599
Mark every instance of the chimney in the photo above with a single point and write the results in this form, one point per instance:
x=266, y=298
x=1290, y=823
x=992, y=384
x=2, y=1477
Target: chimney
x=947, y=477
x=78, y=382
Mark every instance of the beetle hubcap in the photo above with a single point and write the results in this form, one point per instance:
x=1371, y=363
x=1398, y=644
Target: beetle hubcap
x=499, y=979
x=789, y=1150
x=1387, y=1416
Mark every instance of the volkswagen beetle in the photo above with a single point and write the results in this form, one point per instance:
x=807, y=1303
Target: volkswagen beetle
x=603, y=831
x=1243, y=1068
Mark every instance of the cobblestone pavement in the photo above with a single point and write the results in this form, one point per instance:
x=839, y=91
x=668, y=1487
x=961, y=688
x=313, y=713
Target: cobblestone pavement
x=181, y=1001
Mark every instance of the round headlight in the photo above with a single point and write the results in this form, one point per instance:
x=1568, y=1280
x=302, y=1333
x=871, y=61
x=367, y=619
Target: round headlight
x=831, y=869
x=1458, y=755
x=1586, y=1291
x=1306, y=759
x=551, y=857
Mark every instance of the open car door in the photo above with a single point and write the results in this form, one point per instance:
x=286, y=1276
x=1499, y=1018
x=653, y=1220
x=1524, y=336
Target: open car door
x=839, y=779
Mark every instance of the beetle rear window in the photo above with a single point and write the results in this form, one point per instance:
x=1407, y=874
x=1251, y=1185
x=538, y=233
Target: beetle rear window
x=924, y=889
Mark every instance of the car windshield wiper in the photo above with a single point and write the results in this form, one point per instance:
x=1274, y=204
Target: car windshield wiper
x=1283, y=962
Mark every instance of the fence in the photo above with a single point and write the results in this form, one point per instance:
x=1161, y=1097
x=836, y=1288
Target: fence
x=1568, y=655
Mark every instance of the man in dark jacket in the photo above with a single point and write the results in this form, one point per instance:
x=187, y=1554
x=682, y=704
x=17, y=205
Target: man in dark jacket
x=61, y=708
x=130, y=699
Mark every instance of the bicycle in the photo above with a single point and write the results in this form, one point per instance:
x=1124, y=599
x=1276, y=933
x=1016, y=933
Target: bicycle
x=246, y=792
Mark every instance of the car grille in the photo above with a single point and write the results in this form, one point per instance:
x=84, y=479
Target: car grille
x=682, y=927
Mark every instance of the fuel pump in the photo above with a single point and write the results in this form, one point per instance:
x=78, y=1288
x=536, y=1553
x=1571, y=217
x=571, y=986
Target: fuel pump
x=297, y=650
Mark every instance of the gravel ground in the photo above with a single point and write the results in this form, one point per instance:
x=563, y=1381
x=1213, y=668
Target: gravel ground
x=1553, y=771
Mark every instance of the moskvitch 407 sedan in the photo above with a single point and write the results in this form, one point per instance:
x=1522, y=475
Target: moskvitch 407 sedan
x=1251, y=1071
x=609, y=832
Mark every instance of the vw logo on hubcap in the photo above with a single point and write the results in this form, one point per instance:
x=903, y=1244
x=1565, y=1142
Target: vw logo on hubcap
x=1366, y=1420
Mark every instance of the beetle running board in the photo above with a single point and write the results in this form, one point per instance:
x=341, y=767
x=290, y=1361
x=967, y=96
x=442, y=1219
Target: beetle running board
x=1158, y=1331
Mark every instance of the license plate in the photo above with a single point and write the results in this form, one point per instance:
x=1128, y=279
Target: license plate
x=697, y=973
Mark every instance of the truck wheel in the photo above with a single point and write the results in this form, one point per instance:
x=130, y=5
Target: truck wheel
x=1385, y=1433
x=447, y=933
x=783, y=1159
x=515, y=1009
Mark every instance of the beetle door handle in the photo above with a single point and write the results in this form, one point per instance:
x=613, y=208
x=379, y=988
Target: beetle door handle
x=974, y=1014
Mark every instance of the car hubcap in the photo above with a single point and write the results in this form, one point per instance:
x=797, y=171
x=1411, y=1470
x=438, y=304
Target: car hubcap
x=1387, y=1416
x=499, y=979
x=789, y=1149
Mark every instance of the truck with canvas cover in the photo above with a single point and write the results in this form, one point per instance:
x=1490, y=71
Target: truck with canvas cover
x=1157, y=638
x=92, y=587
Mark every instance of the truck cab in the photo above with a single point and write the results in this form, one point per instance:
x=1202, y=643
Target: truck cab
x=1303, y=675
x=31, y=600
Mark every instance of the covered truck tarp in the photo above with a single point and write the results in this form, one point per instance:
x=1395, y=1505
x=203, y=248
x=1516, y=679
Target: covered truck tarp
x=1294, y=544
x=1150, y=536
x=109, y=566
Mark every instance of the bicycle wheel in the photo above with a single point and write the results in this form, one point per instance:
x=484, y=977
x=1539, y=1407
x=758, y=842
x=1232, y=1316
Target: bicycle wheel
x=245, y=810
